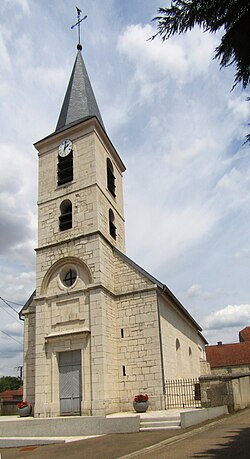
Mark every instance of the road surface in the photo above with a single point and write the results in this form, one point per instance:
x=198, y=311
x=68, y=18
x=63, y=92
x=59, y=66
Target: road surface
x=228, y=438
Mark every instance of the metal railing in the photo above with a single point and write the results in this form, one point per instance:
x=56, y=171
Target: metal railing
x=183, y=393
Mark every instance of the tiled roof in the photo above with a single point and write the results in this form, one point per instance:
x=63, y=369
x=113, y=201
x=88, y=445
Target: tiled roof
x=27, y=304
x=228, y=354
x=244, y=334
x=79, y=101
x=11, y=394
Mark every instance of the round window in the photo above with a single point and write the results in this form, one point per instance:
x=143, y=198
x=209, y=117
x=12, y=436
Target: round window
x=69, y=277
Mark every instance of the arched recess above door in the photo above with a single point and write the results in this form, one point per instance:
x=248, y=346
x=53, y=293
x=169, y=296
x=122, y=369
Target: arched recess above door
x=66, y=274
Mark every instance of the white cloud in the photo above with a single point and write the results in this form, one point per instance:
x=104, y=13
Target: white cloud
x=225, y=335
x=181, y=59
x=15, y=6
x=239, y=108
x=191, y=182
x=16, y=285
x=157, y=234
x=15, y=330
x=5, y=61
x=196, y=291
x=230, y=316
x=232, y=190
x=11, y=355
x=17, y=204
x=24, y=4
x=52, y=78
x=243, y=253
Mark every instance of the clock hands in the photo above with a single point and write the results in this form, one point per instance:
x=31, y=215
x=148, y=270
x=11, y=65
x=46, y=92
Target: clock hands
x=66, y=144
x=65, y=147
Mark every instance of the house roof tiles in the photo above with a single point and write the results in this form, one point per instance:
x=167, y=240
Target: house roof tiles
x=228, y=354
x=11, y=394
x=244, y=334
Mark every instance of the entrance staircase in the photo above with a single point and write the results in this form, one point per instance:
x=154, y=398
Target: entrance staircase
x=160, y=422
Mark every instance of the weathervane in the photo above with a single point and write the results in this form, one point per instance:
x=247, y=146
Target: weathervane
x=79, y=20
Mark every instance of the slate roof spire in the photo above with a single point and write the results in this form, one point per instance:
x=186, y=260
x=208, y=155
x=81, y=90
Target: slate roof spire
x=79, y=101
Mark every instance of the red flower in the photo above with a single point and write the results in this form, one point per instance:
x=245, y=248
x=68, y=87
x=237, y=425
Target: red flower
x=23, y=404
x=141, y=398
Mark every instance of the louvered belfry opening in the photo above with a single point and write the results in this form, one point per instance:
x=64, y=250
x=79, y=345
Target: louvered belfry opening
x=112, y=227
x=65, y=169
x=110, y=177
x=65, y=219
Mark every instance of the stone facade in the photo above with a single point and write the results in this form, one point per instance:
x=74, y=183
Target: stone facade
x=125, y=332
x=231, y=370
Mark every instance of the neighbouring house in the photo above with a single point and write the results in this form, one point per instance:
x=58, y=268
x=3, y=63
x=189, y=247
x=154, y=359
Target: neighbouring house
x=12, y=395
x=98, y=328
x=230, y=358
x=9, y=400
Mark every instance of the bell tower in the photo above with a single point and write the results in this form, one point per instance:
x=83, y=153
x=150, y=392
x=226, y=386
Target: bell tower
x=80, y=172
x=98, y=328
x=80, y=221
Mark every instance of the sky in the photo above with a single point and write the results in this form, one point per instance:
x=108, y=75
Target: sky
x=180, y=130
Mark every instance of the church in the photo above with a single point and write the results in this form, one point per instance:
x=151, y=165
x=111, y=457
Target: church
x=98, y=329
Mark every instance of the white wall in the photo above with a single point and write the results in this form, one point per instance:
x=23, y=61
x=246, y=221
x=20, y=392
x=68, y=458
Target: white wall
x=183, y=348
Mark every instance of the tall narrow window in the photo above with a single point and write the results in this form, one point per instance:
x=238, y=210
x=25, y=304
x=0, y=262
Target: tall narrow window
x=178, y=359
x=110, y=177
x=65, y=219
x=65, y=169
x=112, y=227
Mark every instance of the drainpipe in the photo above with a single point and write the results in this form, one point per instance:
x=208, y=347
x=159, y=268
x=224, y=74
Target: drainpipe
x=161, y=352
x=90, y=361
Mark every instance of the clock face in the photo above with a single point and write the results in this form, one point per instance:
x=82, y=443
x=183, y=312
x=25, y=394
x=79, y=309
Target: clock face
x=65, y=148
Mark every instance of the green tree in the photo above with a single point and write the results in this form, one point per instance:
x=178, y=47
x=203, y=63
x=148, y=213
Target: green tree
x=9, y=383
x=212, y=15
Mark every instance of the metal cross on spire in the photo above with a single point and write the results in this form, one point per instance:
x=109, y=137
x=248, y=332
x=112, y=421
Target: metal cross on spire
x=79, y=20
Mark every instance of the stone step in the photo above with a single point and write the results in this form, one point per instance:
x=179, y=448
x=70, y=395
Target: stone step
x=148, y=429
x=174, y=418
x=160, y=423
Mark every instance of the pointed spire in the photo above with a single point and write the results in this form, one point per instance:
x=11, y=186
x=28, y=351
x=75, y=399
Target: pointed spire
x=79, y=101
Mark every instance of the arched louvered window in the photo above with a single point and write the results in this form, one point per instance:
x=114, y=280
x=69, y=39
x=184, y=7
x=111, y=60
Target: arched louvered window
x=110, y=177
x=112, y=227
x=65, y=169
x=65, y=219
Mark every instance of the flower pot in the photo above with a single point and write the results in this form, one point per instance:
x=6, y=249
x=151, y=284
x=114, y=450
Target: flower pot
x=25, y=411
x=140, y=407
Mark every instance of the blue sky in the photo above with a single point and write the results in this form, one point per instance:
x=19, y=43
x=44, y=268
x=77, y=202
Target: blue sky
x=178, y=127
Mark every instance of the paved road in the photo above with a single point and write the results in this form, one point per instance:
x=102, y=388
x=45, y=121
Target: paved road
x=227, y=439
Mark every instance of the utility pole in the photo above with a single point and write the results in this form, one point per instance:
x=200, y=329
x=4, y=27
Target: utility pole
x=20, y=369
